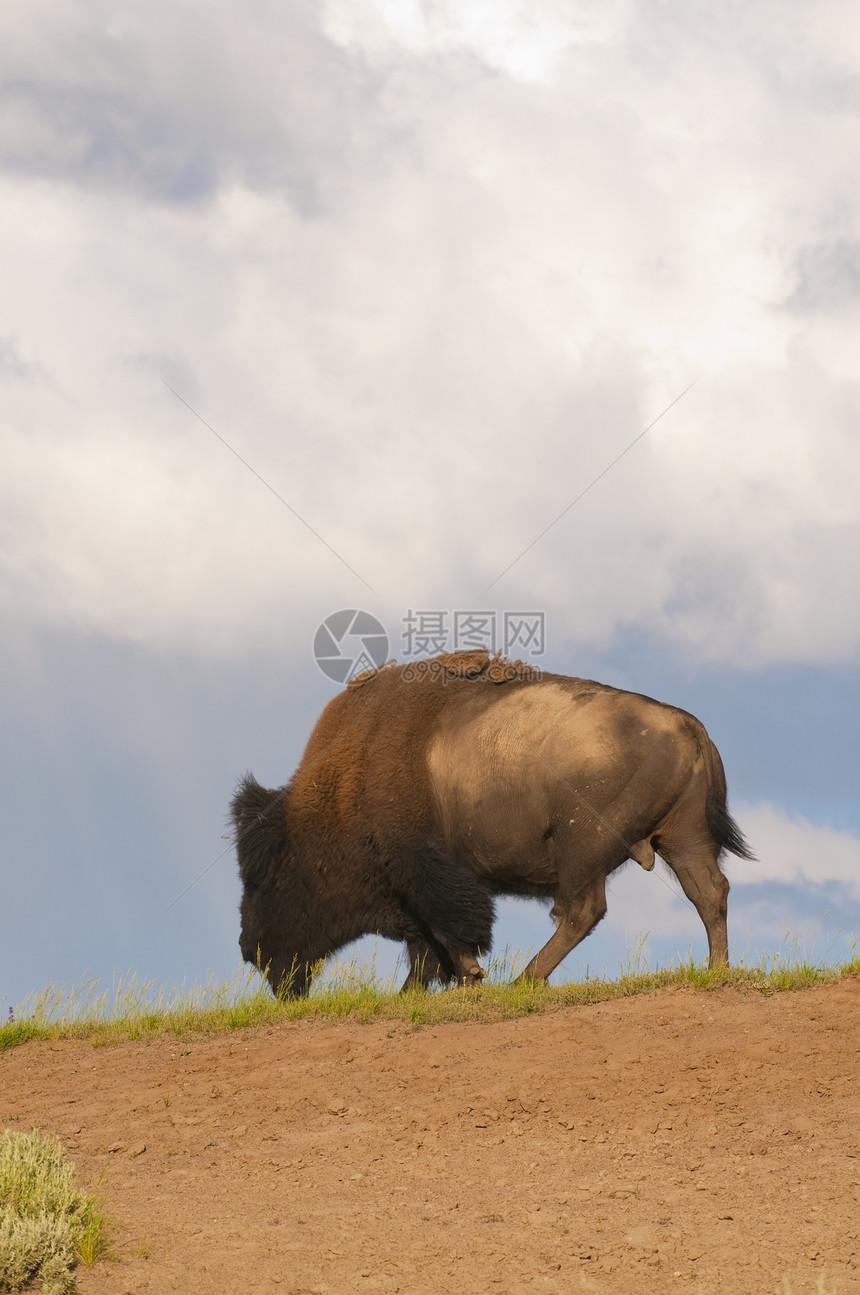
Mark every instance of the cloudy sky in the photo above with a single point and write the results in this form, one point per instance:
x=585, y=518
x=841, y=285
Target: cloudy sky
x=342, y=304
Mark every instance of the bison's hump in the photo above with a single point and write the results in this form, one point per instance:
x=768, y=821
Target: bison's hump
x=477, y=664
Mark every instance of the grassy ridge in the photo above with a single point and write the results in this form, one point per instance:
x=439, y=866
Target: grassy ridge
x=130, y=1010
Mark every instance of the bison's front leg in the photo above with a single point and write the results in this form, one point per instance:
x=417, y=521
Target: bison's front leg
x=426, y=965
x=459, y=965
x=468, y=970
x=440, y=961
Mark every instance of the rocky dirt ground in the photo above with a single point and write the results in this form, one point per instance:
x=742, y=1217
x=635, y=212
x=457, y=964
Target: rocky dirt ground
x=679, y=1141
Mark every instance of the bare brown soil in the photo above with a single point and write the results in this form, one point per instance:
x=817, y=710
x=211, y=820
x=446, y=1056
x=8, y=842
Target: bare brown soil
x=680, y=1141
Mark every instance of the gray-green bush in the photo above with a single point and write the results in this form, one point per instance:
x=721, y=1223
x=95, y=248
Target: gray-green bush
x=46, y=1223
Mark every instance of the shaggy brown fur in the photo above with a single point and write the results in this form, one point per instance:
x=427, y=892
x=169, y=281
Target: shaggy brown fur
x=422, y=795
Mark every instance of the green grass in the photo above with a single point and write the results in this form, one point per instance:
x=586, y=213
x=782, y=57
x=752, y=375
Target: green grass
x=133, y=1010
x=46, y=1223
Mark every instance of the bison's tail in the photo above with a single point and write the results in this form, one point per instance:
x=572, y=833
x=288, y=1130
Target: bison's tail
x=724, y=829
x=721, y=825
x=260, y=823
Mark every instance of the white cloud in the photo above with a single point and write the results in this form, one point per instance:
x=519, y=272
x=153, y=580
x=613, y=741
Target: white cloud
x=521, y=39
x=430, y=271
x=794, y=851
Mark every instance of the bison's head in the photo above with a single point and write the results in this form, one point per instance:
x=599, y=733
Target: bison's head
x=265, y=942
x=279, y=918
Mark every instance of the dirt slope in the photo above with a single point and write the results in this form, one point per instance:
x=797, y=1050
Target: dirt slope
x=678, y=1141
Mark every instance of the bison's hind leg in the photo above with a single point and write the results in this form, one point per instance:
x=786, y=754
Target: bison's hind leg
x=575, y=915
x=694, y=859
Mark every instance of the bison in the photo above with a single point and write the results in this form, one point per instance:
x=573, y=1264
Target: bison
x=429, y=788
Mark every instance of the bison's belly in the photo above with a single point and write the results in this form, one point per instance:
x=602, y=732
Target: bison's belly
x=531, y=865
x=511, y=857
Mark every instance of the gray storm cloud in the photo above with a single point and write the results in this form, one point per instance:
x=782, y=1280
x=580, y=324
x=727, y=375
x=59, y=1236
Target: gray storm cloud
x=429, y=275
